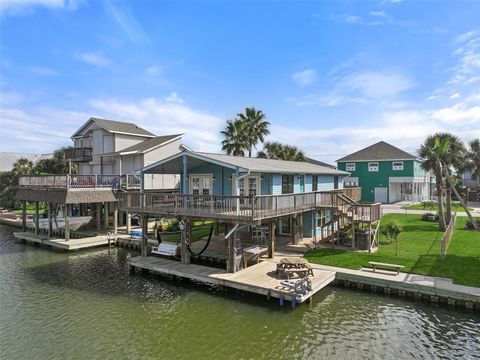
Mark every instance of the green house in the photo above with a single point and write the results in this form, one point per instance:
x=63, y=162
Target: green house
x=387, y=174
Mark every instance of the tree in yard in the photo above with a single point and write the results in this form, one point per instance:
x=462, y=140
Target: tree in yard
x=278, y=151
x=235, y=138
x=472, y=159
x=391, y=232
x=56, y=165
x=257, y=127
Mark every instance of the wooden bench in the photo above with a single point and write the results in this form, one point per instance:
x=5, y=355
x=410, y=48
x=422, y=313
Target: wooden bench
x=165, y=249
x=385, y=265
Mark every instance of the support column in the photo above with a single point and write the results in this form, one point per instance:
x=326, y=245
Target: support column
x=186, y=237
x=98, y=210
x=271, y=240
x=143, y=245
x=50, y=225
x=353, y=235
x=37, y=216
x=67, y=221
x=231, y=253
x=115, y=219
x=24, y=216
x=129, y=223
x=293, y=229
x=105, y=213
x=184, y=175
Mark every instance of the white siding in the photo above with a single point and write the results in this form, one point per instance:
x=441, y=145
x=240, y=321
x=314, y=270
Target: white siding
x=162, y=152
x=123, y=141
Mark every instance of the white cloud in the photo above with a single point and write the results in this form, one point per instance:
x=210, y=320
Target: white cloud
x=166, y=116
x=18, y=7
x=42, y=71
x=122, y=14
x=153, y=70
x=93, y=59
x=379, y=14
x=454, y=96
x=378, y=84
x=305, y=77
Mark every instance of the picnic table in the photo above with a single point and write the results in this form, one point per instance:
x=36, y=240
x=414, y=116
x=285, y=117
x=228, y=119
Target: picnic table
x=294, y=265
x=251, y=252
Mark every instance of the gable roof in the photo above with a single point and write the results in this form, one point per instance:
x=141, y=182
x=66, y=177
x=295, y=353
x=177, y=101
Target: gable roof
x=150, y=144
x=8, y=159
x=260, y=165
x=378, y=151
x=114, y=126
x=318, y=162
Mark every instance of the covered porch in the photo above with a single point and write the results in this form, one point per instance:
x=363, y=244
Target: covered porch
x=415, y=189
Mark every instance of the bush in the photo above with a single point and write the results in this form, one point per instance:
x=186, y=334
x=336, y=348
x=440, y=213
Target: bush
x=392, y=230
x=429, y=217
x=429, y=204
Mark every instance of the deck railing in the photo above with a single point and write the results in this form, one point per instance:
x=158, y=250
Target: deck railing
x=130, y=181
x=354, y=193
x=252, y=208
x=80, y=154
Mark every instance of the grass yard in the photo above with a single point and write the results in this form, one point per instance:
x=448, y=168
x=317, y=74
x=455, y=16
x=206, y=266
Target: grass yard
x=418, y=251
x=433, y=207
x=199, y=230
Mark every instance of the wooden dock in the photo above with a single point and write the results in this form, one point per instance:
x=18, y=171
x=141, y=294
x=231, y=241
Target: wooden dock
x=70, y=245
x=259, y=279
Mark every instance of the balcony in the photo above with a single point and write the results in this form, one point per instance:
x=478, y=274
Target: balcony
x=81, y=154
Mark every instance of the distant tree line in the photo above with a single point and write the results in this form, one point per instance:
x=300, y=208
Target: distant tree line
x=9, y=180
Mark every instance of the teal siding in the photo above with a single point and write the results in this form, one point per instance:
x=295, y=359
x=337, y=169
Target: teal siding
x=266, y=184
x=325, y=182
x=222, y=185
x=369, y=180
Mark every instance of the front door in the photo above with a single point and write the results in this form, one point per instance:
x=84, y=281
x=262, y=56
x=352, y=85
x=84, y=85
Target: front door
x=381, y=195
x=201, y=185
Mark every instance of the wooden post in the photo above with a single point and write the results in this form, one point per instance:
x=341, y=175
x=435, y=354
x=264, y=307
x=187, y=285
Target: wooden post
x=185, y=237
x=67, y=222
x=24, y=216
x=129, y=223
x=144, y=242
x=105, y=215
x=231, y=253
x=115, y=219
x=50, y=225
x=37, y=215
x=332, y=235
x=353, y=235
x=98, y=209
x=293, y=229
x=271, y=240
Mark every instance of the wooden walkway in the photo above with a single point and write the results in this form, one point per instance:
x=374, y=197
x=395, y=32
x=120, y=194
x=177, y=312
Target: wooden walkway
x=72, y=244
x=259, y=279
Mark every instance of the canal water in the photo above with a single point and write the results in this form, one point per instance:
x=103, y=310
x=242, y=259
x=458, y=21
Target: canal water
x=85, y=305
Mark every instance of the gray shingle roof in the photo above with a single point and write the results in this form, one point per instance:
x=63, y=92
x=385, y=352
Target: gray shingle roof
x=116, y=127
x=150, y=143
x=318, y=162
x=8, y=159
x=378, y=151
x=272, y=166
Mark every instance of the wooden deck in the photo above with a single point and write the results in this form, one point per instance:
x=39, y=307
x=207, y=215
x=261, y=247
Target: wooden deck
x=259, y=279
x=72, y=244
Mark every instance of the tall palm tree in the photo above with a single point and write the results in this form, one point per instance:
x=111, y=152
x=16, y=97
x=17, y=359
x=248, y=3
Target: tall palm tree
x=22, y=166
x=257, y=127
x=235, y=137
x=472, y=158
x=431, y=153
x=278, y=151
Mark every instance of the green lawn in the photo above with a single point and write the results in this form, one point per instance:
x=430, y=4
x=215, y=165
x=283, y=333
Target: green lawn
x=199, y=230
x=434, y=207
x=418, y=251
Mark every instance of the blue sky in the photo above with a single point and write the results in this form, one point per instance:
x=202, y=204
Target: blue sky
x=332, y=77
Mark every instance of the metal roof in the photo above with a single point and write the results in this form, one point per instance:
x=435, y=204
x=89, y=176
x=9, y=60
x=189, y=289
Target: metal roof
x=114, y=126
x=246, y=164
x=378, y=151
x=8, y=159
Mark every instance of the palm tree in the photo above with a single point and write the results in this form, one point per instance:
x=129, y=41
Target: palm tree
x=472, y=158
x=278, y=151
x=236, y=137
x=22, y=166
x=431, y=152
x=257, y=127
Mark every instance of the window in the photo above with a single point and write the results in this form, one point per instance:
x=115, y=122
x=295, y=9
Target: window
x=350, y=167
x=397, y=165
x=315, y=183
x=287, y=184
x=373, y=166
x=350, y=181
x=335, y=182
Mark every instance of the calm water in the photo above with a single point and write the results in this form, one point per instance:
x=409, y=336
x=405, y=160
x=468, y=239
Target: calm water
x=86, y=306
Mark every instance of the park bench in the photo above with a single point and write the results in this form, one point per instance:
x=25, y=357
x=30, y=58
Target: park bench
x=376, y=265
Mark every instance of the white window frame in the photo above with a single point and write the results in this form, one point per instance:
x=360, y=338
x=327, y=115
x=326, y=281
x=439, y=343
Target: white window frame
x=246, y=184
x=372, y=167
x=201, y=177
x=350, y=167
x=398, y=166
